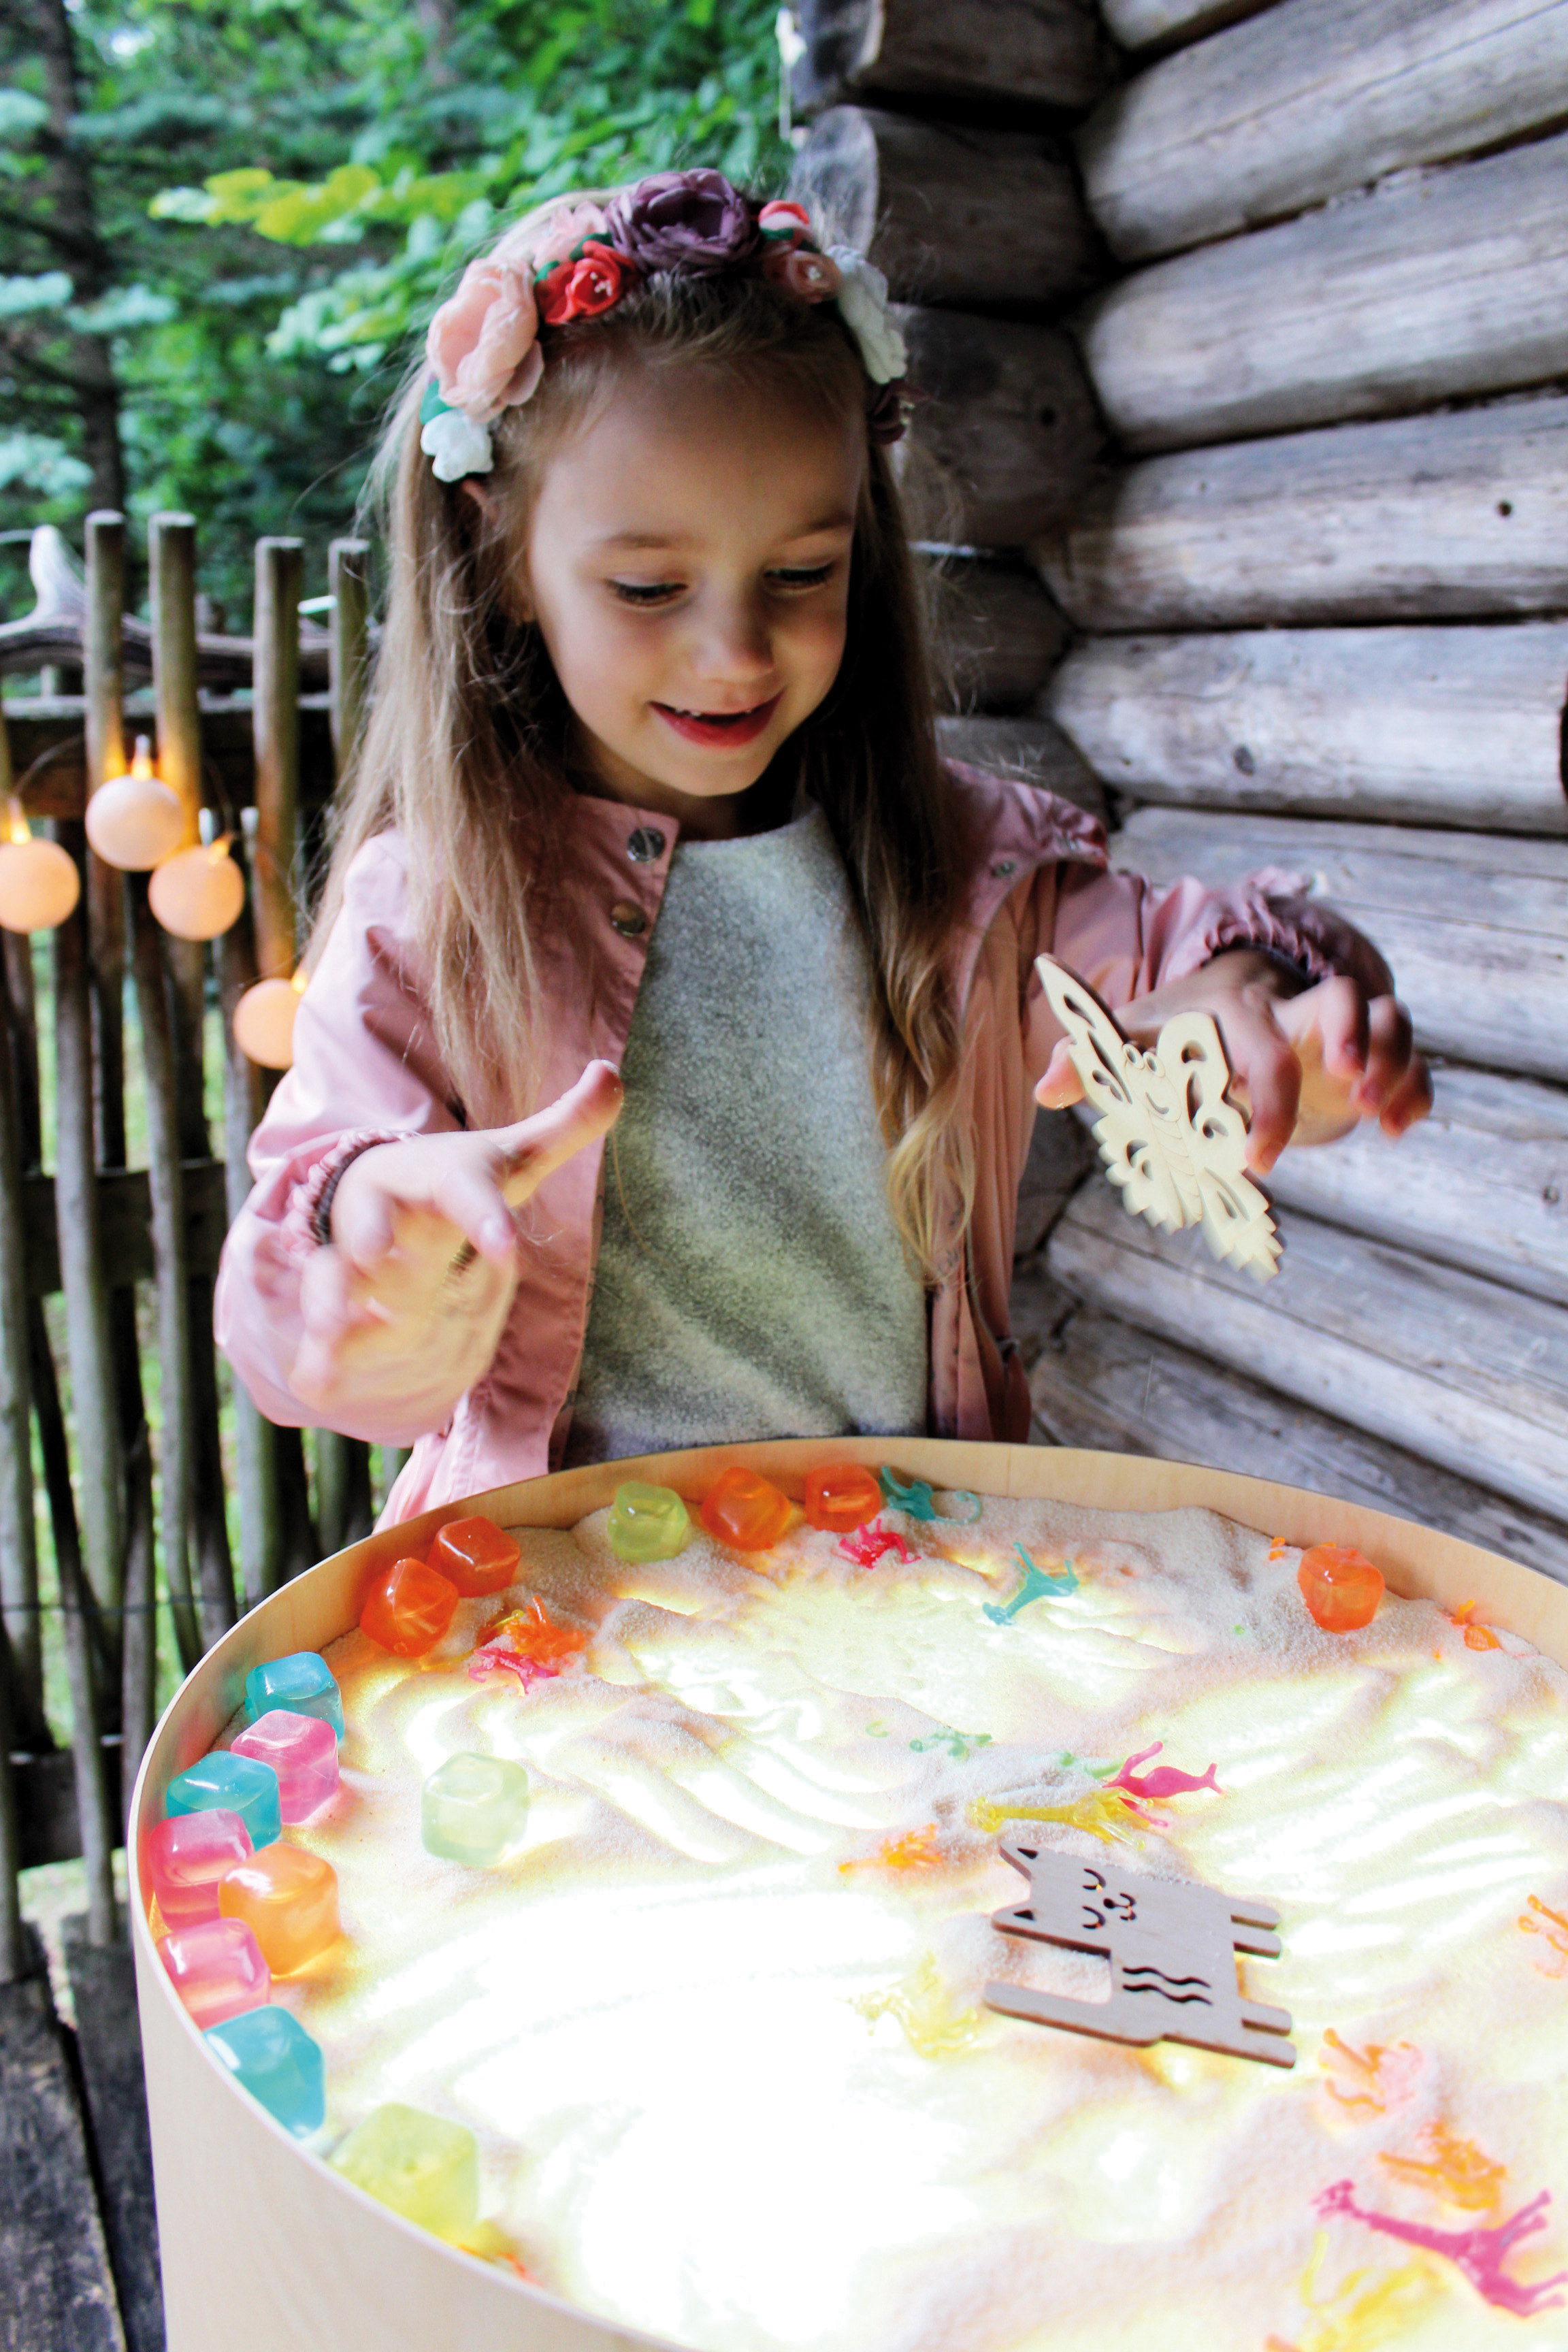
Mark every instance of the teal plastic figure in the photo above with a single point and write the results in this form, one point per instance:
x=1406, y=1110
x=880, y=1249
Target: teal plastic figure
x=1036, y=1586
x=917, y=1500
x=269, y=2054
x=236, y=1784
x=474, y=1807
x=301, y=1684
x=648, y=1522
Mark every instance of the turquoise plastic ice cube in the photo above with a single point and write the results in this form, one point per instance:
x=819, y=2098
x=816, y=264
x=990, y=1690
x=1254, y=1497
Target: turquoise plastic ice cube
x=239, y=1784
x=302, y=1684
x=269, y=2054
x=473, y=1807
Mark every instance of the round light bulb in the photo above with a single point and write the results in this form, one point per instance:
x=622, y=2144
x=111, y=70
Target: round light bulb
x=197, y=892
x=134, y=821
x=263, y=1020
x=39, y=885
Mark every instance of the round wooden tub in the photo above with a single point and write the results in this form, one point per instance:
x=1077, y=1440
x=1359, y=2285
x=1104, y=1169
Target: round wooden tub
x=265, y=2248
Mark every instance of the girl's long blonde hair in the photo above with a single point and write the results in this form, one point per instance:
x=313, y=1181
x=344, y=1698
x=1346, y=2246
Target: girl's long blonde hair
x=465, y=750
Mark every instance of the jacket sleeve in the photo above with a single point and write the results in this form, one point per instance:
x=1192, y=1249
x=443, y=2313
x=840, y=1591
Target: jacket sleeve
x=365, y=1072
x=1127, y=937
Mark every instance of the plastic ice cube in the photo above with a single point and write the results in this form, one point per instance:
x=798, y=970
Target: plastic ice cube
x=474, y=1807
x=302, y=1749
x=289, y=1899
x=744, y=1510
x=841, y=1496
x=648, y=1522
x=270, y=2055
x=303, y=1683
x=423, y=2167
x=475, y=1556
x=408, y=1608
x=234, y=1784
x=186, y=1857
x=216, y=1968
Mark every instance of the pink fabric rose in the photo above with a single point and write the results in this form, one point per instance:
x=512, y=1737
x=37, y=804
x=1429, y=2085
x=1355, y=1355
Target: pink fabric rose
x=810, y=276
x=581, y=289
x=483, y=342
x=557, y=238
x=784, y=220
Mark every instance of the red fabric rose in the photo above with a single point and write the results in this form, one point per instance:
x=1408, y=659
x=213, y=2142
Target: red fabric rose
x=582, y=288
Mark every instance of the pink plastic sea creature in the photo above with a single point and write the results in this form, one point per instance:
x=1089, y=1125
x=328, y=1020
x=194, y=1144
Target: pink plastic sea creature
x=1480, y=2252
x=1380, y=2076
x=867, y=1546
x=528, y=1670
x=1164, y=1782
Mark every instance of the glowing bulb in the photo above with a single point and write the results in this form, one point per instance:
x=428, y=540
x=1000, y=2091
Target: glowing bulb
x=263, y=1020
x=39, y=885
x=197, y=892
x=134, y=821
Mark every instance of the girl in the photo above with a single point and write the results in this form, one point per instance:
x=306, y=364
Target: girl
x=651, y=785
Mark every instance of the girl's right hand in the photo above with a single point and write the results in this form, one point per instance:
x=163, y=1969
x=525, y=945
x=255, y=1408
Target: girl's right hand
x=408, y=1300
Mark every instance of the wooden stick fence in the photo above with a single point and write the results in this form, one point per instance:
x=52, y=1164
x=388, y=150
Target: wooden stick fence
x=93, y=1227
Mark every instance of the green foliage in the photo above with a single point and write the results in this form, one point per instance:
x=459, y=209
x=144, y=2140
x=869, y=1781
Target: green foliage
x=283, y=191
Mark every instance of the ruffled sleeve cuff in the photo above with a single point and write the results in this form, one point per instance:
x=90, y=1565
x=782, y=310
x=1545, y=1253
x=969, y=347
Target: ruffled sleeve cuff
x=1271, y=910
x=307, y=1224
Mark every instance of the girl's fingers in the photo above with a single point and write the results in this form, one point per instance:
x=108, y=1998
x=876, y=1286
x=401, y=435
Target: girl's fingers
x=1410, y=1100
x=1060, y=1089
x=1336, y=1011
x=365, y=1214
x=470, y=1198
x=1389, y=1042
x=536, y=1146
x=1264, y=1062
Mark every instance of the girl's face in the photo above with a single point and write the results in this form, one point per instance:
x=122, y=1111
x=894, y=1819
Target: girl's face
x=688, y=564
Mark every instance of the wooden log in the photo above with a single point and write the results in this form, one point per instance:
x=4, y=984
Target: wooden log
x=1099, y=1383
x=255, y=1451
x=1035, y=53
x=1427, y=518
x=124, y=1219
x=1309, y=99
x=348, y=578
x=59, y=2289
x=1154, y=26
x=1033, y=748
x=1416, y=726
x=109, y=2046
x=51, y=767
x=1475, y=925
x=1008, y=422
x=81, y=1638
x=998, y=637
x=18, y=1550
x=280, y=566
x=1435, y=285
x=1482, y=1183
x=984, y=219
x=172, y=548
x=1449, y=1367
x=13, y=1938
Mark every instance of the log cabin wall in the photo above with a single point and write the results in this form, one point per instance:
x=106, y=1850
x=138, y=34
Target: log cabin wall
x=1246, y=334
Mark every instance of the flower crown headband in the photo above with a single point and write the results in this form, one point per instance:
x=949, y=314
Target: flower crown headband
x=483, y=345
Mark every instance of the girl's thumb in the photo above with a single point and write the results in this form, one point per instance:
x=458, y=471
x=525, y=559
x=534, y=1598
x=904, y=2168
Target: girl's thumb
x=536, y=1146
x=1060, y=1086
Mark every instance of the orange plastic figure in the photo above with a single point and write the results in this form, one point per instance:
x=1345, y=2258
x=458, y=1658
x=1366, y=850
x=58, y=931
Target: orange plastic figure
x=1341, y=1588
x=409, y=1609
x=528, y=1643
x=745, y=1510
x=289, y=1900
x=841, y=1497
x=475, y=1556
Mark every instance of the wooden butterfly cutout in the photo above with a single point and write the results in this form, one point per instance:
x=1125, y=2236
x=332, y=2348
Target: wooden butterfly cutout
x=1173, y=1146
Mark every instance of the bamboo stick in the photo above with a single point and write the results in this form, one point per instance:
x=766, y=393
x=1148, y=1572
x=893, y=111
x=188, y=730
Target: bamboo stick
x=95, y=1816
x=348, y=577
x=275, y=716
x=18, y=1554
x=255, y=1451
x=172, y=549
x=166, y=1185
x=13, y=1936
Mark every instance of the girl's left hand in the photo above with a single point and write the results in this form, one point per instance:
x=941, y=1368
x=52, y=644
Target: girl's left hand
x=1306, y=1064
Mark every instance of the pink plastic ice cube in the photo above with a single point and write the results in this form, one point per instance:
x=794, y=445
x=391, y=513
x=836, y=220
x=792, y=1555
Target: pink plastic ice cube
x=186, y=1856
x=217, y=1969
x=303, y=1752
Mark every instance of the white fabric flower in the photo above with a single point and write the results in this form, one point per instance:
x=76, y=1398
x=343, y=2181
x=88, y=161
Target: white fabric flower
x=863, y=305
x=457, y=445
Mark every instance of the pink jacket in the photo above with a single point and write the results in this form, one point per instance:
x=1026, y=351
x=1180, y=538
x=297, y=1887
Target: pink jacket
x=365, y=1070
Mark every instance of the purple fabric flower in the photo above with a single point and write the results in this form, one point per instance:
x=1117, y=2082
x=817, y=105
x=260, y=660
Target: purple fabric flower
x=692, y=221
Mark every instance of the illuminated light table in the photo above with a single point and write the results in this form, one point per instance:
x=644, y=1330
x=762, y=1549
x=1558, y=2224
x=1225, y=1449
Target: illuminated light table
x=266, y=2248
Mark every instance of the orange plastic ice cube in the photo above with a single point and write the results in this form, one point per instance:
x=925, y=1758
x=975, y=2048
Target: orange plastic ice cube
x=1341, y=1590
x=289, y=1900
x=408, y=1608
x=744, y=1510
x=475, y=1556
x=841, y=1496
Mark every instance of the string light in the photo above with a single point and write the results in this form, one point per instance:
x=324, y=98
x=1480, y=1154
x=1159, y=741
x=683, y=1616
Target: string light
x=39, y=885
x=135, y=821
x=263, y=1020
x=198, y=892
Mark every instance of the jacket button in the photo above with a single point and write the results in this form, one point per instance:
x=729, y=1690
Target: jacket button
x=629, y=921
x=1003, y=867
x=645, y=844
